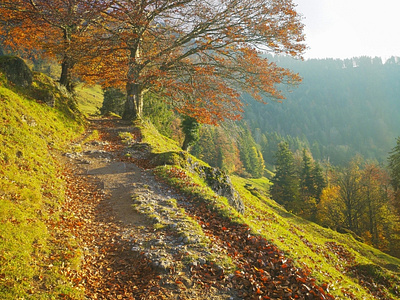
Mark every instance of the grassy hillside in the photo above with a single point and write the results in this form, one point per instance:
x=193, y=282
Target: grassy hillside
x=32, y=190
x=89, y=98
x=34, y=253
x=348, y=269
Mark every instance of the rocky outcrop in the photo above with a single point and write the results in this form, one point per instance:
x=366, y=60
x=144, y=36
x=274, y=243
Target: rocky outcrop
x=220, y=183
x=16, y=70
x=215, y=178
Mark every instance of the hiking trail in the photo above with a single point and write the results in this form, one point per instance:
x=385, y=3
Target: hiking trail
x=129, y=255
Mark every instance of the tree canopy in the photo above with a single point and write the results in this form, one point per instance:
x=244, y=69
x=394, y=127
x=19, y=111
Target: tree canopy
x=52, y=28
x=199, y=55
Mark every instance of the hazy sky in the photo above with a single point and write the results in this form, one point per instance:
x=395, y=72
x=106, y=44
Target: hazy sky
x=349, y=28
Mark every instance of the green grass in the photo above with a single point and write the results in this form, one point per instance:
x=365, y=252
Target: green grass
x=327, y=254
x=89, y=98
x=308, y=244
x=31, y=189
x=158, y=142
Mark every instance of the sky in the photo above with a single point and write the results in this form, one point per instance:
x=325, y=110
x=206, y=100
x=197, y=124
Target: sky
x=351, y=28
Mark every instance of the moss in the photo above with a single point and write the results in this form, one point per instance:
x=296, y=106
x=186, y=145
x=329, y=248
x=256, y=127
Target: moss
x=170, y=158
x=171, y=202
x=126, y=137
x=16, y=70
x=94, y=135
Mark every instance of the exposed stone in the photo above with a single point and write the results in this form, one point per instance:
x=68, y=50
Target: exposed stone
x=202, y=261
x=16, y=70
x=220, y=183
x=170, y=158
x=215, y=178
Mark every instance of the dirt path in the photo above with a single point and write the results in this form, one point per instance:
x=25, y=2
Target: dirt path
x=136, y=238
x=115, y=264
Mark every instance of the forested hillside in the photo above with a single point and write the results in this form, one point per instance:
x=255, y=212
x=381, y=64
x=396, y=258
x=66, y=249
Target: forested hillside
x=342, y=108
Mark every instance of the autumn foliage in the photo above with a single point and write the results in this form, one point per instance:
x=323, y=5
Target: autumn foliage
x=50, y=28
x=200, y=56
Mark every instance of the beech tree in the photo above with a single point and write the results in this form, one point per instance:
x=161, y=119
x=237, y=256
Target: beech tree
x=199, y=55
x=50, y=27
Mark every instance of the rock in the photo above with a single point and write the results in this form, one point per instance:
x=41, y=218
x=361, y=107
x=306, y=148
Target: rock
x=136, y=249
x=194, y=264
x=74, y=155
x=220, y=183
x=156, y=220
x=172, y=226
x=30, y=121
x=215, y=178
x=16, y=70
x=187, y=282
x=99, y=153
x=164, y=265
x=170, y=158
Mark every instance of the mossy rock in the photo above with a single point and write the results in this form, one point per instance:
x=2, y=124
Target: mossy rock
x=16, y=70
x=220, y=183
x=172, y=158
x=215, y=178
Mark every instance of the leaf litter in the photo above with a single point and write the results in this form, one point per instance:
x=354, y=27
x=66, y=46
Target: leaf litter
x=149, y=259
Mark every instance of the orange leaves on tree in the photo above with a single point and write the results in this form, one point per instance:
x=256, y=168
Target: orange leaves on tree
x=200, y=60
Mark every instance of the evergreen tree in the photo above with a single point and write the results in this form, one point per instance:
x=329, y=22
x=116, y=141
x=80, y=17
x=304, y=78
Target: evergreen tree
x=394, y=171
x=285, y=183
x=394, y=165
x=191, y=129
x=319, y=181
x=218, y=147
x=251, y=157
x=159, y=114
x=205, y=148
x=113, y=101
x=307, y=187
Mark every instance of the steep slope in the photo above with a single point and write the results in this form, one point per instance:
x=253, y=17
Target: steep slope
x=31, y=188
x=131, y=216
x=187, y=242
x=344, y=266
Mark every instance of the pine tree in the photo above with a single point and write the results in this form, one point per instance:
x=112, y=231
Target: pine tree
x=285, y=183
x=251, y=157
x=394, y=165
x=191, y=129
x=113, y=101
x=307, y=187
x=319, y=181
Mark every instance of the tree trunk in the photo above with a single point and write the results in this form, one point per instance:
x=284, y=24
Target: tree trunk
x=134, y=102
x=186, y=143
x=134, y=90
x=66, y=78
x=67, y=64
